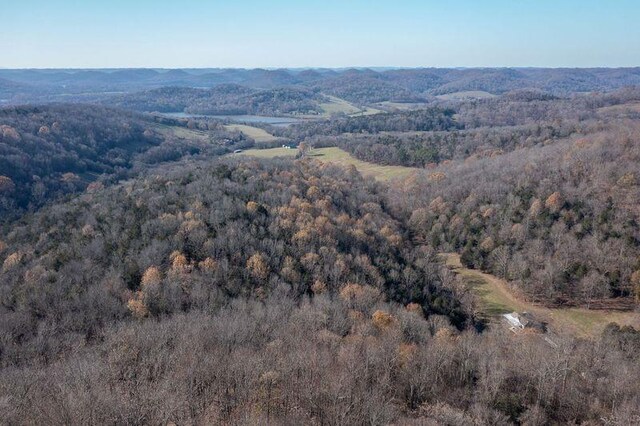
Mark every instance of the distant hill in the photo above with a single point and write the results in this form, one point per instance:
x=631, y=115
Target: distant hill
x=224, y=99
x=355, y=85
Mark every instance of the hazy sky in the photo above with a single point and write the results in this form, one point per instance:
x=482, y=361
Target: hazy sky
x=327, y=33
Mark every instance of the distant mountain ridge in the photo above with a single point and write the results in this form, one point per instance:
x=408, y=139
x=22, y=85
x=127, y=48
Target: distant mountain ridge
x=363, y=85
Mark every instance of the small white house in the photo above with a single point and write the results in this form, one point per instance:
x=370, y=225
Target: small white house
x=523, y=321
x=514, y=320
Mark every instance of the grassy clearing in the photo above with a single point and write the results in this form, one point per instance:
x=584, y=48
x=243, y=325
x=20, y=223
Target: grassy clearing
x=468, y=94
x=497, y=298
x=182, y=133
x=337, y=105
x=255, y=133
x=367, y=111
x=338, y=156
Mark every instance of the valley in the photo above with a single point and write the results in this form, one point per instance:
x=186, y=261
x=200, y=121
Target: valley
x=337, y=156
x=322, y=247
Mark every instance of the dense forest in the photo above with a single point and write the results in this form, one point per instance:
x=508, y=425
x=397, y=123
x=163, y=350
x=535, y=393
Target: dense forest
x=267, y=291
x=427, y=119
x=150, y=275
x=560, y=220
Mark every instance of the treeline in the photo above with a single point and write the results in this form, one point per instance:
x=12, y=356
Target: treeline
x=422, y=149
x=49, y=151
x=429, y=119
x=559, y=221
x=226, y=99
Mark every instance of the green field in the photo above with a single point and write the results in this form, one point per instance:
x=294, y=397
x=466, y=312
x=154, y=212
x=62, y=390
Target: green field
x=257, y=134
x=338, y=156
x=337, y=105
x=183, y=133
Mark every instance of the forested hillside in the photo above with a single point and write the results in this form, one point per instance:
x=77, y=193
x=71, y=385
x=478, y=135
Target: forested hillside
x=199, y=235
x=429, y=119
x=228, y=99
x=559, y=220
x=46, y=152
x=253, y=292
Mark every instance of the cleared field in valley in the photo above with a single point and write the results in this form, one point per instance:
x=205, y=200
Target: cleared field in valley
x=338, y=156
x=183, y=133
x=498, y=298
x=337, y=105
x=257, y=134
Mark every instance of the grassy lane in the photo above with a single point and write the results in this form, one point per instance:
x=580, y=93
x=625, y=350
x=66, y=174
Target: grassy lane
x=496, y=297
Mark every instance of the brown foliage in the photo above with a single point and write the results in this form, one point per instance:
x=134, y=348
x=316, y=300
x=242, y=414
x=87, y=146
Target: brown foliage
x=258, y=267
x=137, y=307
x=382, y=320
x=9, y=133
x=152, y=276
x=6, y=184
x=554, y=202
x=44, y=131
x=416, y=309
x=11, y=261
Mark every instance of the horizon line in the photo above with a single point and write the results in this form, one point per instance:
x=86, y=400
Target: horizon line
x=354, y=67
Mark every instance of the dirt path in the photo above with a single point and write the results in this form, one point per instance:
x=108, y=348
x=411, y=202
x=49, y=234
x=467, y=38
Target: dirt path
x=497, y=298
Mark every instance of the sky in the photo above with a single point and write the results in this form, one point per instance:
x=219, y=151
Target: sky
x=322, y=33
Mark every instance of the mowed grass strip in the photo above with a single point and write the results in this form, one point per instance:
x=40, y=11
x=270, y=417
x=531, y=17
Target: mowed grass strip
x=257, y=134
x=383, y=173
x=337, y=105
x=182, y=132
x=338, y=156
